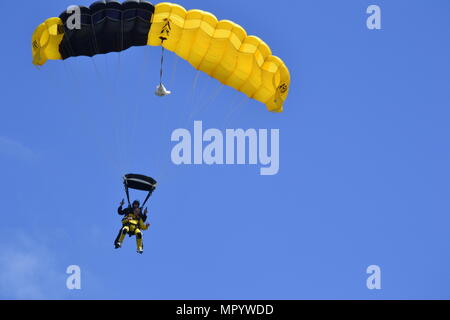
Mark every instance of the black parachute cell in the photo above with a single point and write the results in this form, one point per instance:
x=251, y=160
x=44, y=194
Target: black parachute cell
x=107, y=26
x=139, y=182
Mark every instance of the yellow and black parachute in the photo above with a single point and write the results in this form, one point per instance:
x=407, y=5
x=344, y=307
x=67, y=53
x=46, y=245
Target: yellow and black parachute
x=221, y=49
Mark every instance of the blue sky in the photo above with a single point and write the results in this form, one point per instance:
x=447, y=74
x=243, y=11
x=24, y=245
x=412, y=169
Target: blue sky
x=364, y=162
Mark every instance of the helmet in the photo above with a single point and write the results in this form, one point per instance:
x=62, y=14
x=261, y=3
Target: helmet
x=136, y=202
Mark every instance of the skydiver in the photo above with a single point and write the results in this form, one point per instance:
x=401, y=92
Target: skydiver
x=132, y=224
x=130, y=209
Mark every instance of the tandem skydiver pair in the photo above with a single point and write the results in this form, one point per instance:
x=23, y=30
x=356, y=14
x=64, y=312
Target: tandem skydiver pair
x=135, y=216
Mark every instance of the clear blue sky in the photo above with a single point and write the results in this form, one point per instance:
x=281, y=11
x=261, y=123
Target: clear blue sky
x=364, y=162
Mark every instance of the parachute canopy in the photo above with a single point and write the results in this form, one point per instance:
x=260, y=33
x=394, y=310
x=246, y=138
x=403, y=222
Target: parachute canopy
x=222, y=49
x=139, y=182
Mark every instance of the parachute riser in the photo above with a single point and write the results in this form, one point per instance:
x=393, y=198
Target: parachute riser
x=146, y=198
x=150, y=192
x=161, y=91
x=161, y=69
x=127, y=192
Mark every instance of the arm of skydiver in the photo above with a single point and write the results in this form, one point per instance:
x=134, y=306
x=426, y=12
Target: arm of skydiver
x=144, y=215
x=120, y=211
x=143, y=226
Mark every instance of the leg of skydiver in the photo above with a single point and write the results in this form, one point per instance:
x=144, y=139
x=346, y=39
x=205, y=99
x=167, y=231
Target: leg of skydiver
x=139, y=244
x=123, y=233
x=116, y=241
